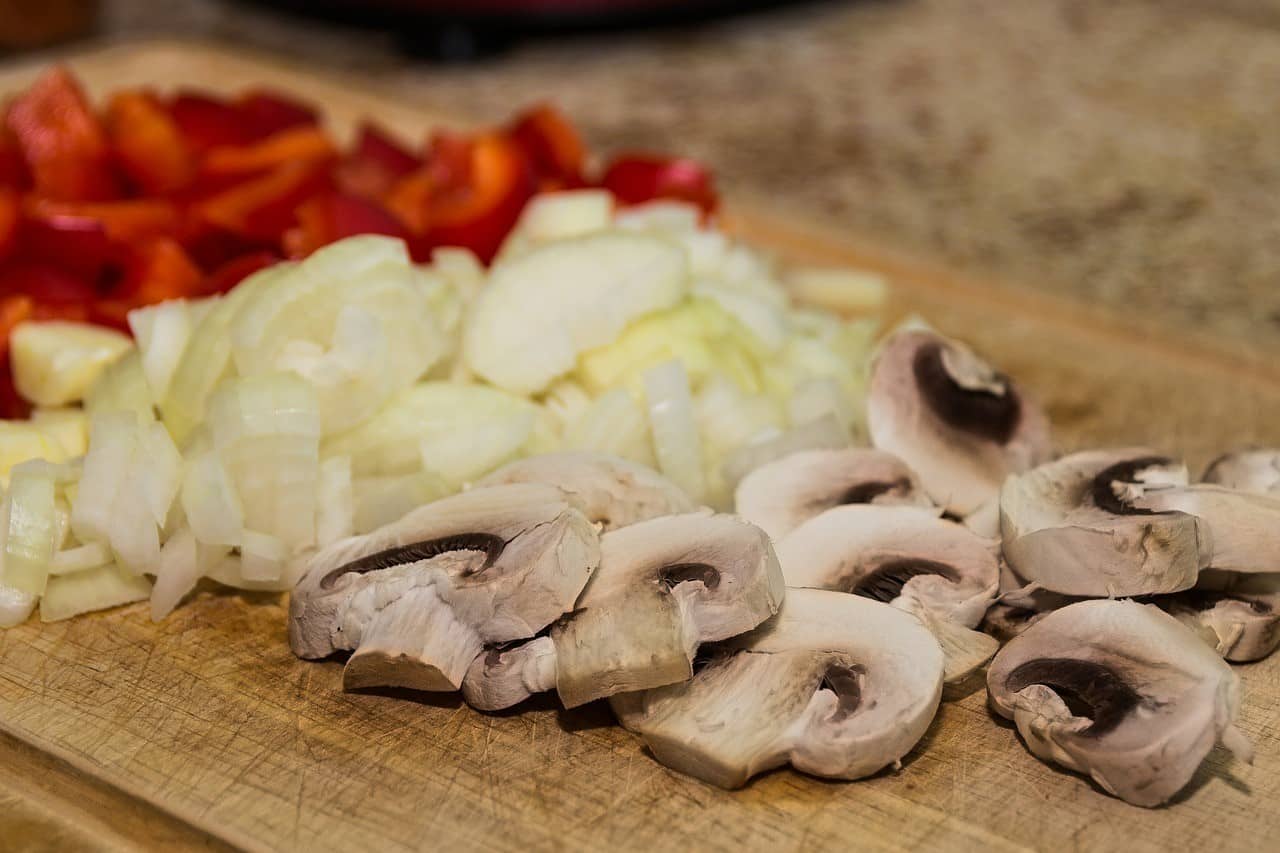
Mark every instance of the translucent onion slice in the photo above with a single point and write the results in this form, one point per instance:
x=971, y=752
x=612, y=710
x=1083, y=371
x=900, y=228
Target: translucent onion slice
x=21, y=441
x=121, y=387
x=162, y=332
x=558, y=216
x=15, y=606
x=55, y=362
x=68, y=427
x=77, y=559
x=335, y=514
x=227, y=571
x=825, y=433
x=382, y=500
x=673, y=427
x=177, y=573
x=94, y=589
x=210, y=500
x=615, y=424
x=31, y=527
x=159, y=471
x=262, y=557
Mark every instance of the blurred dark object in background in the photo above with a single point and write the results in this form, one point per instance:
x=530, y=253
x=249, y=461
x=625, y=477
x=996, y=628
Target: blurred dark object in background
x=458, y=30
x=40, y=23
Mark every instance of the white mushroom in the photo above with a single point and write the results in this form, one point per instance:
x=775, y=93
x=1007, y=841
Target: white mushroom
x=1244, y=527
x=1071, y=526
x=778, y=496
x=612, y=491
x=837, y=685
x=1256, y=470
x=419, y=599
x=939, y=571
x=1120, y=691
x=1237, y=614
x=664, y=587
x=961, y=425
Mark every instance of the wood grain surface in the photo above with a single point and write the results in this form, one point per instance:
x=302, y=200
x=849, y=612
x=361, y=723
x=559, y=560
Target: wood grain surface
x=204, y=732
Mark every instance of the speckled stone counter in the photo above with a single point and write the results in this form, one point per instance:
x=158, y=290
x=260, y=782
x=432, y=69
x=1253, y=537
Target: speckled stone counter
x=1124, y=152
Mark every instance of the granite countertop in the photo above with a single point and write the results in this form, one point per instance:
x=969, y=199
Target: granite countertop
x=1123, y=152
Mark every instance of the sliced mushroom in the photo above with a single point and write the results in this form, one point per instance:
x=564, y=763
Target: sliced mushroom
x=613, y=491
x=961, y=425
x=1237, y=614
x=418, y=599
x=1070, y=526
x=939, y=571
x=1021, y=604
x=1006, y=621
x=1120, y=691
x=664, y=587
x=780, y=495
x=1256, y=470
x=1244, y=528
x=837, y=685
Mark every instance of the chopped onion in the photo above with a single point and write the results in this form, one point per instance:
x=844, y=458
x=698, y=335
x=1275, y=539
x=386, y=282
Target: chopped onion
x=54, y=362
x=112, y=504
x=210, y=501
x=72, y=560
x=122, y=387
x=94, y=589
x=177, y=573
x=15, y=606
x=382, y=500
x=228, y=572
x=159, y=471
x=31, y=527
x=674, y=431
x=818, y=396
x=614, y=423
x=825, y=433
x=262, y=557
x=558, y=216
x=162, y=332
x=68, y=427
x=335, y=514
x=20, y=442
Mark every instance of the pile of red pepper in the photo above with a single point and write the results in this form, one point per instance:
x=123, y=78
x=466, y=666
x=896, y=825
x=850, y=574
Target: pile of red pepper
x=159, y=197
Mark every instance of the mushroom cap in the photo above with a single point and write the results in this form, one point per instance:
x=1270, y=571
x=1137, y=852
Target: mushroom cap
x=780, y=495
x=1253, y=470
x=906, y=556
x=486, y=566
x=1244, y=527
x=664, y=586
x=612, y=491
x=1237, y=614
x=837, y=685
x=1069, y=526
x=1120, y=691
x=959, y=424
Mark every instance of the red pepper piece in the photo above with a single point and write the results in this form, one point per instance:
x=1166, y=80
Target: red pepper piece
x=266, y=113
x=73, y=243
x=332, y=216
x=375, y=163
x=480, y=213
x=13, y=170
x=148, y=144
x=123, y=221
x=235, y=271
x=207, y=122
x=61, y=140
x=298, y=145
x=9, y=218
x=640, y=177
x=262, y=209
x=553, y=146
x=158, y=270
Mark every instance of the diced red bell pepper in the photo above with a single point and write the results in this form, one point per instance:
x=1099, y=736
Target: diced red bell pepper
x=13, y=170
x=266, y=113
x=375, y=163
x=294, y=146
x=148, y=144
x=480, y=213
x=207, y=122
x=262, y=208
x=553, y=146
x=54, y=293
x=330, y=217
x=158, y=270
x=61, y=140
x=73, y=243
x=235, y=271
x=124, y=221
x=638, y=178
x=10, y=210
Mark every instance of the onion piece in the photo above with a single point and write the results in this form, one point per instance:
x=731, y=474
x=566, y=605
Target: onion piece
x=31, y=527
x=94, y=589
x=210, y=501
x=262, y=557
x=71, y=560
x=121, y=387
x=162, y=332
x=382, y=500
x=336, y=511
x=177, y=573
x=672, y=426
x=54, y=362
x=615, y=424
x=68, y=427
x=15, y=606
x=20, y=442
x=825, y=433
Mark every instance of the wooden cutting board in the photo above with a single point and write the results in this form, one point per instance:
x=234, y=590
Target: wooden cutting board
x=205, y=732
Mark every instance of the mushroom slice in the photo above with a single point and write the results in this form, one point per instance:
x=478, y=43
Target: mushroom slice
x=779, y=495
x=1120, y=691
x=419, y=598
x=1237, y=614
x=664, y=587
x=613, y=491
x=961, y=425
x=837, y=685
x=1070, y=526
x=1244, y=528
x=1256, y=470
x=1006, y=621
x=939, y=571
x=1020, y=605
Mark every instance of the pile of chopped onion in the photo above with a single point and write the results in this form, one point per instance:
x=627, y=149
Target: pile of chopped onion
x=330, y=396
